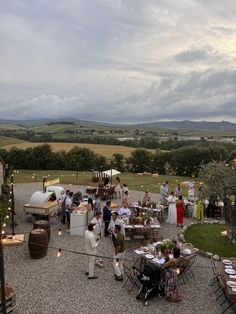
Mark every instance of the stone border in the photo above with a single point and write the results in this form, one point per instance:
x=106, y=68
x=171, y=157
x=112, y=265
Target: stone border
x=181, y=237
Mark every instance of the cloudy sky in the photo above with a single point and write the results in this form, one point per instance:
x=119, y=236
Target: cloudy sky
x=118, y=60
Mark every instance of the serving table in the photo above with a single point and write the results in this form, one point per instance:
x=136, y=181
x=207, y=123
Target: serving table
x=79, y=220
x=231, y=292
x=146, y=231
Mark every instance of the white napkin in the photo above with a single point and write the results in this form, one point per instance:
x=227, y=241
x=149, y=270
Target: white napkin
x=155, y=226
x=159, y=261
x=232, y=276
x=234, y=289
x=138, y=226
x=138, y=251
x=228, y=266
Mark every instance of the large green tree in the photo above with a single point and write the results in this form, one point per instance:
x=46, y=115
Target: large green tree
x=220, y=178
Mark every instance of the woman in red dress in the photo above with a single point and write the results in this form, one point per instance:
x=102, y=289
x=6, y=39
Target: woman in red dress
x=180, y=211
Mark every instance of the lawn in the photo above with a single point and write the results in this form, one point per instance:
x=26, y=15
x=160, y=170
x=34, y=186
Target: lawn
x=207, y=237
x=133, y=181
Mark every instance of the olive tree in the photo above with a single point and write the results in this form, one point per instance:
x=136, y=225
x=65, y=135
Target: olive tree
x=220, y=178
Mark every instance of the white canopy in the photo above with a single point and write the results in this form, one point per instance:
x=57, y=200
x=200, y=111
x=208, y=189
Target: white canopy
x=111, y=172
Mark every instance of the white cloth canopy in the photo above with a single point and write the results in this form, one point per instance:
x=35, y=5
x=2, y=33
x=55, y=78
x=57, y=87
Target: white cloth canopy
x=111, y=172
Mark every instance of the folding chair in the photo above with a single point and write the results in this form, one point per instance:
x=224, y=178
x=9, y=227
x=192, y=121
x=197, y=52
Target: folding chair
x=131, y=275
x=191, y=260
x=181, y=267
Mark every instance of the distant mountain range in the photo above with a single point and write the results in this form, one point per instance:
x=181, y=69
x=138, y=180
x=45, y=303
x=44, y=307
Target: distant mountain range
x=185, y=124
x=193, y=125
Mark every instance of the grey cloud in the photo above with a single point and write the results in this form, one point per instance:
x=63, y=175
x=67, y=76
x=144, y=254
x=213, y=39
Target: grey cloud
x=121, y=61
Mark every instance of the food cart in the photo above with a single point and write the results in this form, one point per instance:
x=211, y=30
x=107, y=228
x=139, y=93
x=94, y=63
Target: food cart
x=42, y=203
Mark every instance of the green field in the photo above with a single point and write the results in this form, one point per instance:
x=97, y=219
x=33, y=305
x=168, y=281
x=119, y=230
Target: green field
x=133, y=181
x=208, y=238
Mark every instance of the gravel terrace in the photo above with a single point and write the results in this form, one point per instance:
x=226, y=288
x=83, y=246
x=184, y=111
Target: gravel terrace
x=59, y=285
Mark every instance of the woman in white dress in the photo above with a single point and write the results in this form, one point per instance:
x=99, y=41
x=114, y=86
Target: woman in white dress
x=172, y=215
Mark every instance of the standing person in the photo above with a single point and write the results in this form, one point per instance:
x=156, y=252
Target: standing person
x=163, y=193
x=200, y=193
x=97, y=222
x=69, y=207
x=106, y=217
x=118, y=189
x=178, y=191
x=200, y=210
x=125, y=189
x=97, y=205
x=119, y=253
x=63, y=206
x=115, y=221
x=191, y=186
x=171, y=218
x=90, y=208
x=126, y=199
x=90, y=246
x=180, y=211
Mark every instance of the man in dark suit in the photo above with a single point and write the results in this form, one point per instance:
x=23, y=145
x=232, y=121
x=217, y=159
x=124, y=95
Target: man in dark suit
x=107, y=217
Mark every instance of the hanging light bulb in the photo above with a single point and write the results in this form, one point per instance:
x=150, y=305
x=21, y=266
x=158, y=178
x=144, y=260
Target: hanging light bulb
x=7, y=216
x=59, y=232
x=3, y=231
x=4, y=225
x=59, y=253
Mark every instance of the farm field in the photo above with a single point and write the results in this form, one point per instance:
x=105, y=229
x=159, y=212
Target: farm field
x=6, y=141
x=104, y=150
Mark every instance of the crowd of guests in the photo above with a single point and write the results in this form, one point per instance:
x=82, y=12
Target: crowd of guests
x=195, y=205
x=104, y=222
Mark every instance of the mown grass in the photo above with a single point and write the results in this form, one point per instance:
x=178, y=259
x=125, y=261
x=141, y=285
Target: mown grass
x=208, y=237
x=133, y=181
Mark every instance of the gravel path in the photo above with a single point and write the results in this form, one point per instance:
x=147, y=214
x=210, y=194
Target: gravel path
x=59, y=285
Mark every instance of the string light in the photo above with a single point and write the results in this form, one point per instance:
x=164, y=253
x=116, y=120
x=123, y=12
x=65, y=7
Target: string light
x=4, y=225
x=59, y=232
x=59, y=253
x=9, y=208
x=7, y=216
x=3, y=231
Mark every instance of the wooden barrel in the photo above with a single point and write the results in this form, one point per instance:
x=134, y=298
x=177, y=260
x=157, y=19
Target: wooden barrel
x=43, y=224
x=38, y=243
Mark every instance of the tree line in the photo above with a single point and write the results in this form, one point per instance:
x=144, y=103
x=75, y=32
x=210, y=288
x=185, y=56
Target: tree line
x=184, y=161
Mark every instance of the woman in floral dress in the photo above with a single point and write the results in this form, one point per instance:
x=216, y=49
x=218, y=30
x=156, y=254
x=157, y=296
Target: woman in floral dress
x=171, y=277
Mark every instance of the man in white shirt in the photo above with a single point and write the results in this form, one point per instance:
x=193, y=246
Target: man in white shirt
x=115, y=221
x=97, y=222
x=124, y=211
x=90, y=246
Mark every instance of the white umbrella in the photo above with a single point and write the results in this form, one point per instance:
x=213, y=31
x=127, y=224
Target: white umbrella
x=111, y=172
